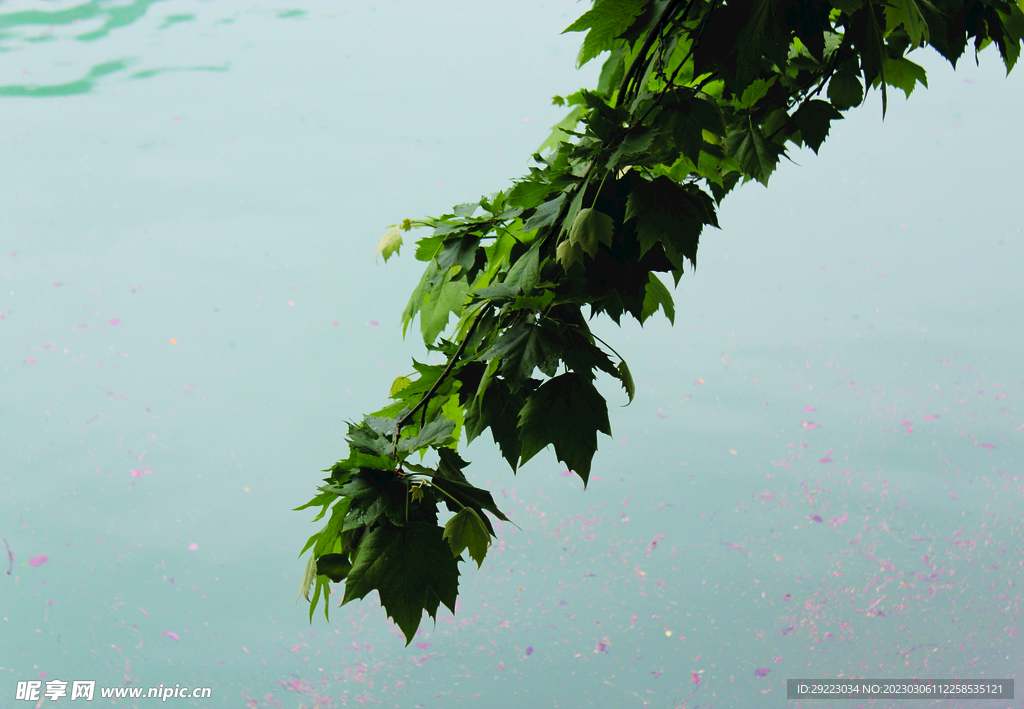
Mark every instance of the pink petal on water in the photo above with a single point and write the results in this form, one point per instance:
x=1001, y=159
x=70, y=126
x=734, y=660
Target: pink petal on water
x=30, y=361
x=38, y=561
x=932, y=417
x=565, y=473
x=423, y=646
x=761, y=672
x=374, y=323
x=695, y=677
x=809, y=409
x=193, y=546
x=529, y=651
x=787, y=631
x=171, y=635
x=115, y=322
x=816, y=518
x=987, y=445
x=826, y=459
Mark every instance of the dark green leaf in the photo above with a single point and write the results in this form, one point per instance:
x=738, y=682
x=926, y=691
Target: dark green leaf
x=566, y=411
x=402, y=563
x=845, y=91
x=523, y=347
x=545, y=215
x=333, y=566
x=627, y=380
x=813, y=120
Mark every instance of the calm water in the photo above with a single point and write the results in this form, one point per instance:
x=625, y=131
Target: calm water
x=820, y=476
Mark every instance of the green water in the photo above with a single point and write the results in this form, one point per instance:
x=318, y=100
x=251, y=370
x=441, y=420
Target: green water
x=190, y=199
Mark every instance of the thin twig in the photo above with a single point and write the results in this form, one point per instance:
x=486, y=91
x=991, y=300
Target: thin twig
x=430, y=392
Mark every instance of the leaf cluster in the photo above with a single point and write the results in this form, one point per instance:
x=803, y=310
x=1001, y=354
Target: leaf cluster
x=694, y=98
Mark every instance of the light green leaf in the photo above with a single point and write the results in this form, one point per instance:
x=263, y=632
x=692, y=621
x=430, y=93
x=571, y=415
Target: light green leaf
x=307, y=578
x=590, y=228
x=627, y=379
x=390, y=243
x=558, y=131
x=904, y=74
x=447, y=297
x=466, y=529
x=399, y=384
x=657, y=297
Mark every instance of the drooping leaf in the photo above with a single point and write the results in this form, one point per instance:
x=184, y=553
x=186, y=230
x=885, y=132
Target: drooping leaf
x=657, y=297
x=333, y=566
x=905, y=74
x=591, y=228
x=466, y=529
x=627, y=380
x=845, y=91
x=390, y=243
x=813, y=120
x=464, y=494
x=567, y=412
x=402, y=564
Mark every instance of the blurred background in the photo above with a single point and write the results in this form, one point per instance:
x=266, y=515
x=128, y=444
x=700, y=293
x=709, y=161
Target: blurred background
x=820, y=475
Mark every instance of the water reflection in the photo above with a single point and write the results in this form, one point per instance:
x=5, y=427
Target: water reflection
x=44, y=41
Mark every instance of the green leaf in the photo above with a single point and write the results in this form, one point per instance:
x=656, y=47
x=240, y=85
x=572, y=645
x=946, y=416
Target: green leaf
x=528, y=194
x=908, y=14
x=558, y=131
x=333, y=566
x=390, y=243
x=466, y=529
x=904, y=74
x=308, y=576
x=322, y=585
x=465, y=495
x=567, y=412
x=657, y=297
x=545, y=215
x=403, y=564
x=497, y=408
x=845, y=91
x=813, y=120
x=399, y=384
x=627, y=379
x=606, y=21
x=590, y=228
x=525, y=272
x=523, y=347
x=566, y=253
x=448, y=297
x=436, y=432
x=671, y=214
x=757, y=156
